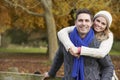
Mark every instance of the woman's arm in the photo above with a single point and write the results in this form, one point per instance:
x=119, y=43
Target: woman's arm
x=100, y=52
x=63, y=36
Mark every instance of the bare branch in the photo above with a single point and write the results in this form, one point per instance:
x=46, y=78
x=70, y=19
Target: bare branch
x=25, y=9
x=38, y=3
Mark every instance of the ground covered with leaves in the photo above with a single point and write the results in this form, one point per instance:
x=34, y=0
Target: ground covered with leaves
x=30, y=63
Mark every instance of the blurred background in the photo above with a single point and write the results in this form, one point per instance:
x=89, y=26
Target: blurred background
x=31, y=26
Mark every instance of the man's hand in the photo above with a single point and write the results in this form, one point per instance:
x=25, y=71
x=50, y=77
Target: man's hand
x=46, y=76
x=75, y=51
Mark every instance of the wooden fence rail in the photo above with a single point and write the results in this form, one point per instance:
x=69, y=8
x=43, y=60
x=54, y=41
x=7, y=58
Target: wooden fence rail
x=22, y=76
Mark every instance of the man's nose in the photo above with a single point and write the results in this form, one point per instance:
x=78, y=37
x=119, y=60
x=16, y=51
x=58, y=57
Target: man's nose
x=83, y=22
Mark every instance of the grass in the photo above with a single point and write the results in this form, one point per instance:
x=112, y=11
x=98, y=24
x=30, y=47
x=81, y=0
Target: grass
x=20, y=49
x=23, y=50
x=116, y=48
x=39, y=50
x=114, y=52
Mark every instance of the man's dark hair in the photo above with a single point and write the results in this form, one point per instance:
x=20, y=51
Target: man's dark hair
x=84, y=11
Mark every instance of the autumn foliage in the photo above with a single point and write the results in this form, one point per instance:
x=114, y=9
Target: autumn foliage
x=63, y=11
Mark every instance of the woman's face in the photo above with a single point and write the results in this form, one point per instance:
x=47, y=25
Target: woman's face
x=100, y=24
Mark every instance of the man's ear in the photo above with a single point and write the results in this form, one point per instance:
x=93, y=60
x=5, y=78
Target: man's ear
x=75, y=22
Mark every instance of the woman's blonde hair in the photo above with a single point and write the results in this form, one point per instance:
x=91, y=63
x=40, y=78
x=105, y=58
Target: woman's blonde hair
x=103, y=35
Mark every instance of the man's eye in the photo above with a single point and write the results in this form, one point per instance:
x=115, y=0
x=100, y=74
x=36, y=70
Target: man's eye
x=80, y=20
x=87, y=20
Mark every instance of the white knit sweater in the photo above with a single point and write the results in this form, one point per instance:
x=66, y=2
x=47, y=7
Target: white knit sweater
x=104, y=49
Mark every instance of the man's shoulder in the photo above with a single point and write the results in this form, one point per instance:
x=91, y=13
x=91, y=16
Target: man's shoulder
x=94, y=43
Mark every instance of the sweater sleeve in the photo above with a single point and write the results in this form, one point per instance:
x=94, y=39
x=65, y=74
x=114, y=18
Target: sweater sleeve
x=106, y=68
x=104, y=49
x=57, y=62
x=100, y=52
x=63, y=36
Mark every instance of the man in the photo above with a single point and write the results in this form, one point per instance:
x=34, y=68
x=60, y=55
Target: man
x=82, y=68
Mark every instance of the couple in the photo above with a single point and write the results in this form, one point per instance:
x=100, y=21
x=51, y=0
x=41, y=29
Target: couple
x=81, y=62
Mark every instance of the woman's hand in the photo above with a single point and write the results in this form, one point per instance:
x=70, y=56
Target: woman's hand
x=75, y=51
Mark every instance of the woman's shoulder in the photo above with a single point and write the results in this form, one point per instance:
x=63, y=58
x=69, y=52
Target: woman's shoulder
x=110, y=34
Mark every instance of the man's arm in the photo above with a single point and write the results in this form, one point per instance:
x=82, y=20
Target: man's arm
x=106, y=68
x=57, y=62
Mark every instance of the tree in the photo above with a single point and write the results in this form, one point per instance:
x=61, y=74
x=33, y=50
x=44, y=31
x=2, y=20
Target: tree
x=51, y=28
x=4, y=23
x=42, y=13
x=49, y=19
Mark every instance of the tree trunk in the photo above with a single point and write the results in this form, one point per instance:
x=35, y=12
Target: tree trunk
x=0, y=40
x=51, y=28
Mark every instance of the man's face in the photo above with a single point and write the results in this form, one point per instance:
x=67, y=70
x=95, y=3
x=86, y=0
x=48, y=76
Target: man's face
x=83, y=23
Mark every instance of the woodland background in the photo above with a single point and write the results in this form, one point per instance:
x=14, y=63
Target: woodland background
x=34, y=24
x=26, y=22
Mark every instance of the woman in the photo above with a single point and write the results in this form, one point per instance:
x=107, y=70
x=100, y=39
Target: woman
x=101, y=23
